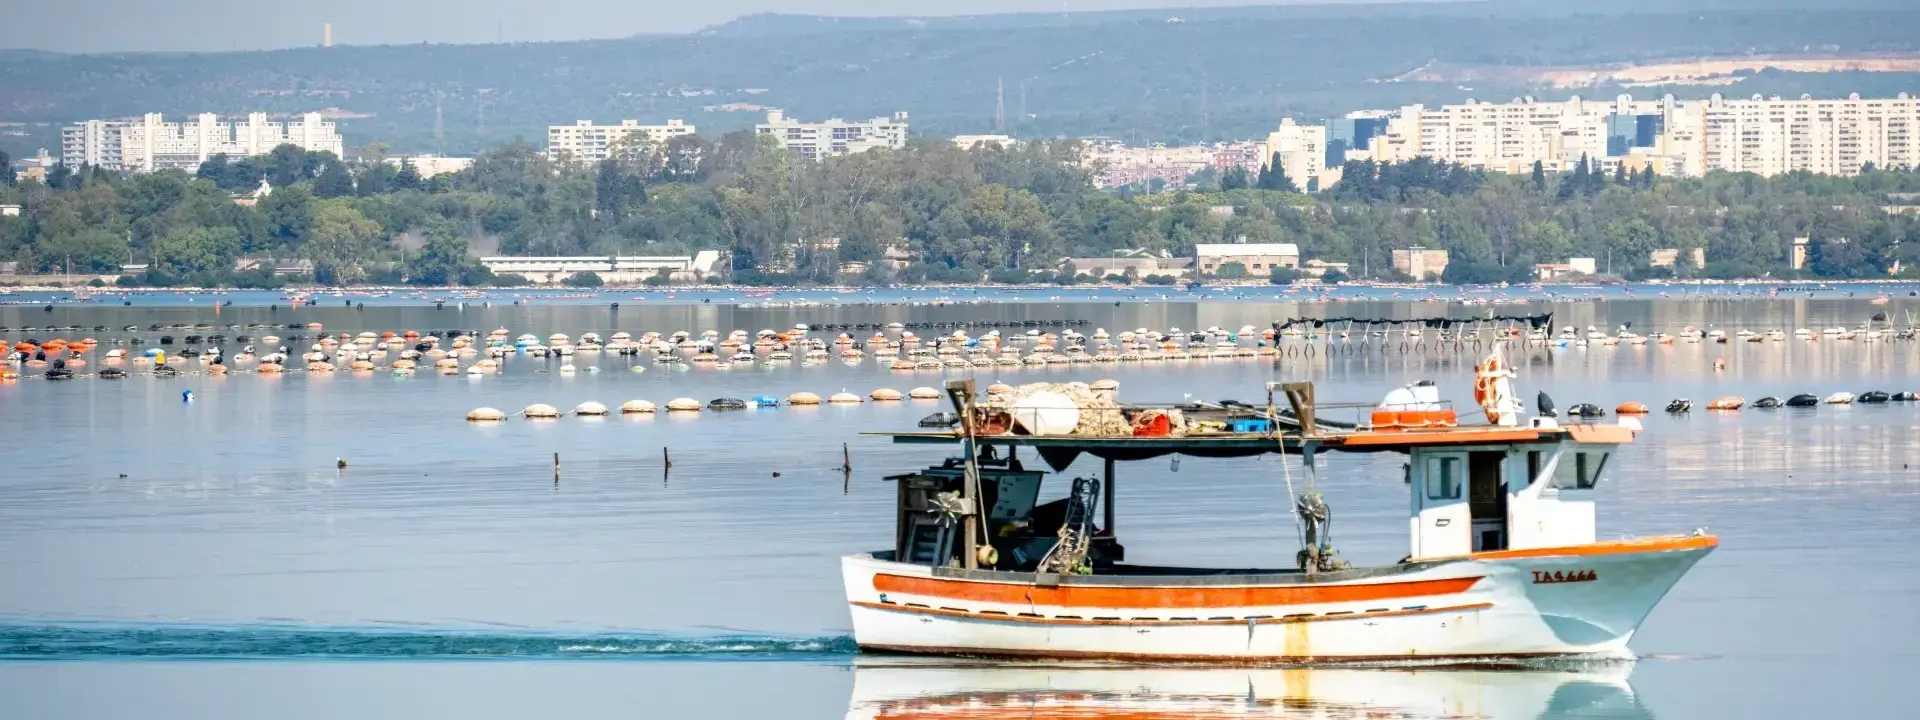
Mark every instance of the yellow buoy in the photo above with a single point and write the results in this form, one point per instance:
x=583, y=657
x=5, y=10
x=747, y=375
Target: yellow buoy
x=924, y=393
x=885, y=394
x=803, y=398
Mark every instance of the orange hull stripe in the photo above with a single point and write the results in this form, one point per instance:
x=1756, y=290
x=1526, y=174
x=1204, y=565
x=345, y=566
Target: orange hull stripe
x=1614, y=547
x=1182, y=597
x=1163, y=623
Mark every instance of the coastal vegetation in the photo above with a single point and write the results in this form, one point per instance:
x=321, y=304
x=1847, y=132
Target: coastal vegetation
x=929, y=213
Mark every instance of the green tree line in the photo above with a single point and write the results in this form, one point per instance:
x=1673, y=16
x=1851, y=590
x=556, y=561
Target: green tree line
x=1006, y=215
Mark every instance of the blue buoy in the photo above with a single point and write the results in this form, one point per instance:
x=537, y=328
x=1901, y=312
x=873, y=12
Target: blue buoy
x=186, y=396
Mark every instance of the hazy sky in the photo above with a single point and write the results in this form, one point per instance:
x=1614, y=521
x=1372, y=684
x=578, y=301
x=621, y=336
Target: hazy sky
x=120, y=25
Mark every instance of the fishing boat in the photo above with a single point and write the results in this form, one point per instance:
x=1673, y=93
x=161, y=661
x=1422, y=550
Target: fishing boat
x=1503, y=561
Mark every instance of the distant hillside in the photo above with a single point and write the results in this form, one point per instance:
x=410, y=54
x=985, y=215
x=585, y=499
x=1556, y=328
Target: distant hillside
x=1135, y=76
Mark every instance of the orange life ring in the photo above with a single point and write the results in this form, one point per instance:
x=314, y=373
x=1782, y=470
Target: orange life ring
x=1483, y=381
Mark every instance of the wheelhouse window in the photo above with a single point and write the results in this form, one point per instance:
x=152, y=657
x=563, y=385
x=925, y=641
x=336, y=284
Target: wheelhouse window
x=1580, y=469
x=1443, y=478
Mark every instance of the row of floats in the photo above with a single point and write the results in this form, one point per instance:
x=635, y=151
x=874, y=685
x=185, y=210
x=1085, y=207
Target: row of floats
x=542, y=411
x=1735, y=402
x=1592, y=336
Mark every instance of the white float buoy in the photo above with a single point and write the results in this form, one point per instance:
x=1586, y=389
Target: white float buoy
x=803, y=398
x=636, y=406
x=590, y=408
x=541, y=410
x=885, y=394
x=683, y=405
x=844, y=398
x=485, y=414
x=924, y=393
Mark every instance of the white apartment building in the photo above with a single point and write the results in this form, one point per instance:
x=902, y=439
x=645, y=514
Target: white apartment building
x=1302, y=150
x=94, y=142
x=1830, y=137
x=1768, y=136
x=151, y=143
x=586, y=142
x=432, y=165
x=815, y=141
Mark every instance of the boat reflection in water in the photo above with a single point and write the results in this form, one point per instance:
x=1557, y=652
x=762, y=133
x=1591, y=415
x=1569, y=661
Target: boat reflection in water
x=928, y=691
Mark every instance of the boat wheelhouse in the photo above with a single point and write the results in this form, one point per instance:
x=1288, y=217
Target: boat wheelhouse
x=1502, y=563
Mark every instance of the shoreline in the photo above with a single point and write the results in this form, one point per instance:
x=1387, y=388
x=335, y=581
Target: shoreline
x=549, y=291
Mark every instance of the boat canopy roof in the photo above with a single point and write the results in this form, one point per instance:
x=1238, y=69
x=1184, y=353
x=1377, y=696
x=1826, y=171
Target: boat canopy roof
x=1061, y=450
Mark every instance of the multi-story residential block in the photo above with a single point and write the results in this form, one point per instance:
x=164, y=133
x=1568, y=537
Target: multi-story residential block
x=151, y=143
x=586, y=142
x=816, y=141
x=1768, y=136
x=1302, y=150
x=1830, y=137
x=94, y=142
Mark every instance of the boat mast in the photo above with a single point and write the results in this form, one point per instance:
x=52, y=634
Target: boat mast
x=960, y=392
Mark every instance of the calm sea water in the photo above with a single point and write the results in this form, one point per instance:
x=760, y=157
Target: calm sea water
x=142, y=537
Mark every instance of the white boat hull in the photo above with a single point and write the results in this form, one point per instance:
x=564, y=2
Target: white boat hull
x=1579, y=601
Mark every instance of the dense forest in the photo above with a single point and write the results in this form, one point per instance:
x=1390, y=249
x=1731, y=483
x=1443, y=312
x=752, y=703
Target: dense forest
x=1008, y=215
x=1174, y=75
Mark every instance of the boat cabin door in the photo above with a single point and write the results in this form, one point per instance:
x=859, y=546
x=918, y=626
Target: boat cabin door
x=1487, y=499
x=1459, y=502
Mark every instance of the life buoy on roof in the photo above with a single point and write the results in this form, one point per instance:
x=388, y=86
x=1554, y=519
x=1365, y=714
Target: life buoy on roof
x=1493, y=391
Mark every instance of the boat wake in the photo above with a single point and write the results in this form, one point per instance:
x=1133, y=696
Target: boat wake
x=105, y=641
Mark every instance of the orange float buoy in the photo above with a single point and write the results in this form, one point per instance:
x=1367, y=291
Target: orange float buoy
x=1631, y=408
x=1730, y=402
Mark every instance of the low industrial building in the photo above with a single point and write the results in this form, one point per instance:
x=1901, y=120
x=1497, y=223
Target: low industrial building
x=616, y=270
x=1420, y=263
x=1573, y=267
x=1258, y=259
